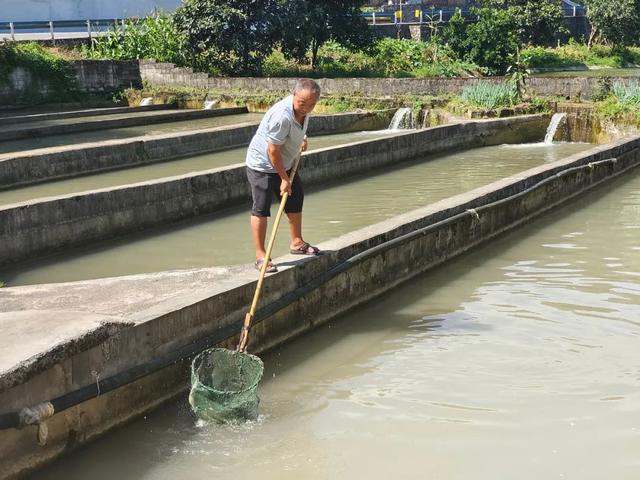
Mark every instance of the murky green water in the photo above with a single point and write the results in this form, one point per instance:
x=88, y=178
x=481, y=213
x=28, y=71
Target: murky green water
x=517, y=361
x=330, y=210
x=165, y=169
x=120, y=133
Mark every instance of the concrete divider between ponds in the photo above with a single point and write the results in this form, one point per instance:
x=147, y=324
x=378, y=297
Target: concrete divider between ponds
x=44, y=226
x=26, y=168
x=91, y=112
x=105, y=123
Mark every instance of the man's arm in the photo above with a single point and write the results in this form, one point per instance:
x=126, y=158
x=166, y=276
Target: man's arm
x=275, y=157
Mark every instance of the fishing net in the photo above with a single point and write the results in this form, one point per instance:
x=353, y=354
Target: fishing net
x=224, y=385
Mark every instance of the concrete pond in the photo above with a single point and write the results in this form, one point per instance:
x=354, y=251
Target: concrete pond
x=87, y=356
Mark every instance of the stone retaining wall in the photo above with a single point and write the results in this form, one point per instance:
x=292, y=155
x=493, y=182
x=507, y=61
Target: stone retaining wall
x=166, y=74
x=93, y=76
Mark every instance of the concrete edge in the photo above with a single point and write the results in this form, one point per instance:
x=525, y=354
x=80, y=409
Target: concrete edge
x=100, y=124
x=93, y=112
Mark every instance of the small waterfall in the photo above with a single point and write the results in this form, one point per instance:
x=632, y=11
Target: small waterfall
x=556, y=120
x=209, y=104
x=403, y=118
x=425, y=118
x=146, y=101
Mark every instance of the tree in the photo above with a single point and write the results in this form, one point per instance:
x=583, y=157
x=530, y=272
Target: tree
x=492, y=41
x=231, y=36
x=308, y=24
x=617, y=23
x=538, y=22
x=455, y=34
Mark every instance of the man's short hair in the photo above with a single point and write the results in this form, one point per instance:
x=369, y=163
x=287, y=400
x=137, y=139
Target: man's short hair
x=307, y=84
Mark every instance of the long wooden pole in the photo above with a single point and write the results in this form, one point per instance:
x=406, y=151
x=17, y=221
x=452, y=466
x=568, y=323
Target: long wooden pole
x=244, y=333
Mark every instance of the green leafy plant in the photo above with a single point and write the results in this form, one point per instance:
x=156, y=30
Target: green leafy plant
x=492, y=40
x=489, y=96
x=155, y=36
x=628, y=94
x=45, y=67
x=519, y=74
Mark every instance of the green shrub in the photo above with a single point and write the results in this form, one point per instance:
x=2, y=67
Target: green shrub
x=492, y=41
x=388, y=58
x=575, y=54
x=155, y=36
x=612, y=109
x=627, y=94
x=42, y=64
x=489, y=95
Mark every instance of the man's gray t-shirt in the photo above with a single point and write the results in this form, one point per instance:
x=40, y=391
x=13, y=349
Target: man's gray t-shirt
x=279, y=127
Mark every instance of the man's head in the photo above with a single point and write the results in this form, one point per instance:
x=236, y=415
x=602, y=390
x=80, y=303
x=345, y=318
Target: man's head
x=305, y=96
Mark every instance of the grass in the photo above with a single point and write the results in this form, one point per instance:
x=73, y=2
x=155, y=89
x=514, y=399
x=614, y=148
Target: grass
x=622, y=105
x=489, y=96
x=628, y=94
x=578, y=55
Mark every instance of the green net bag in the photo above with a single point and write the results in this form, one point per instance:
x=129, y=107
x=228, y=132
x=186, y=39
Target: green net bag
x=224, y=385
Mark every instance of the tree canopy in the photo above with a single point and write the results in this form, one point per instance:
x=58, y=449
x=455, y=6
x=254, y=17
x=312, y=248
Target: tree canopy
x=537, y=22
x=617, y=23
x=308, y=24
x=232, y=36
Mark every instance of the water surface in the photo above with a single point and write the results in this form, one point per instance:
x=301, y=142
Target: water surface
x=125, y=176
x=330, y=210
x=120, y=133
x=519, y=360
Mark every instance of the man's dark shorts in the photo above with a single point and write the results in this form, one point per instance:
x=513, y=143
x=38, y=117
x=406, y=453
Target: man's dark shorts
x=265, y=185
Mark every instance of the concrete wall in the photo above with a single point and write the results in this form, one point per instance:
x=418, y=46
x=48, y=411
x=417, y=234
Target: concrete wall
x=443, y=230
x=44, y=10
x=93, y=76
x=28, y=131
x=18, y=85
x=165, y=74
x=42, y=227
x=18, y=117
x=96, y=76
x=19, y=169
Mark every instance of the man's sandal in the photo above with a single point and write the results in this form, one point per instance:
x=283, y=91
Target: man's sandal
x=305, y=249
x=271, y=268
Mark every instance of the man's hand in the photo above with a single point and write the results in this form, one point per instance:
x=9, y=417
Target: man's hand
x=285, y=186
x=304, y=144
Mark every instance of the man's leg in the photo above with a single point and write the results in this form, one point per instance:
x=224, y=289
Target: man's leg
x=295, y=229
x=259, y=233
x=262, y=186
x=294, y=213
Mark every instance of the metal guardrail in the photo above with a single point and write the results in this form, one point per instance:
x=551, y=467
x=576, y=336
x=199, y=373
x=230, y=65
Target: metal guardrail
x=415, y=14
x=59, y=29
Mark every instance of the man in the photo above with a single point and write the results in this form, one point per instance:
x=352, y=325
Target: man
x=272, y=151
